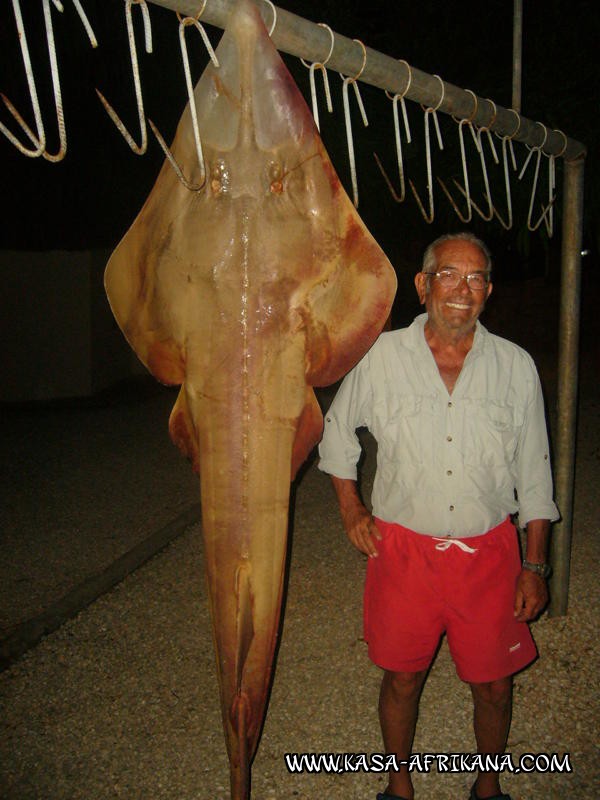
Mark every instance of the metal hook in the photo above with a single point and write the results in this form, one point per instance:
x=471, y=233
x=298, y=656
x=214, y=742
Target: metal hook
x=428, y=218
x=487, y=217
x=509, y=137
x=395, y=98
x=547, y=215
x=349, y=139
x=273, y=9
x=399, y=96
x=486, y=129
x=141, y=148
x=320, y=65
x=566, y=143
x=518, y=128
x=548, y=211
x=40, y=142
x=434, y=109
x=86, y=23
x=508, y=224
x=60, y=118
x=185, y=22
x=467, y=193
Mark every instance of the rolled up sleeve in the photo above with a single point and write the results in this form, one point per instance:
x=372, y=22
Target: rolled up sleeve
x=534, y=475
x=340, y=449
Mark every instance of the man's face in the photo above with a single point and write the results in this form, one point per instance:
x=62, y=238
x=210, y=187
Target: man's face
x=454, y=309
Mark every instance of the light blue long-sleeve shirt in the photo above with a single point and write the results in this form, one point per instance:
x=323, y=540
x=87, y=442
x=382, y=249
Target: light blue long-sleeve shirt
x=447, y=464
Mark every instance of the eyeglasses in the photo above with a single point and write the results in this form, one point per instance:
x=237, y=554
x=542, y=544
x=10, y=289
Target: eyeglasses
x=451, y=278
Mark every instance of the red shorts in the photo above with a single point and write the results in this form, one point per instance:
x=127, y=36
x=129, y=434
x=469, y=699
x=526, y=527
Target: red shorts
x=420, y=586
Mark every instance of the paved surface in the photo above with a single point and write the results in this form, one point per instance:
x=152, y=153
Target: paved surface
x=84, y=483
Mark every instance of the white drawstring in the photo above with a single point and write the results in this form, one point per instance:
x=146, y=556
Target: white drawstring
x=444, y=544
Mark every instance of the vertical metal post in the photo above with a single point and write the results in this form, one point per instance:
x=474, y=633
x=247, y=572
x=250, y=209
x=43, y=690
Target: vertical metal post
x=517, y=54
x=568, y=327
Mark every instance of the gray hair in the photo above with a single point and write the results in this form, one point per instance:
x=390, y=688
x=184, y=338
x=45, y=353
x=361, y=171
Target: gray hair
x=429, y=257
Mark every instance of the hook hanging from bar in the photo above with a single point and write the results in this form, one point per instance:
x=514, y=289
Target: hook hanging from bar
x=509, y=222
x=506, y=144
x=184, y=22
x=399, y=198
x=548, y=214
x=320, y=65
x=430, y=112
x=547, y=211
x=510, y=137
x=467, y=193
x=486, y=216
x=350, y=141
x=142, y=147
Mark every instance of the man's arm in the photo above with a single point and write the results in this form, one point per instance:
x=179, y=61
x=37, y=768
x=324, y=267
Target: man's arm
x=532, y=591
x=359, y=524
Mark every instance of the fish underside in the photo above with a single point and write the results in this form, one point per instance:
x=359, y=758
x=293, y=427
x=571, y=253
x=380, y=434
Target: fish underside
x=247, y=293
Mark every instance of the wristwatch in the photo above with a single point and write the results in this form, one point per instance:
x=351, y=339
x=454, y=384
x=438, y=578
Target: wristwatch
x=543, y=570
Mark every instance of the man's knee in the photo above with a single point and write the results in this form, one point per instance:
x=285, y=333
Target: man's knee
x=494, y=693
x=403, y=685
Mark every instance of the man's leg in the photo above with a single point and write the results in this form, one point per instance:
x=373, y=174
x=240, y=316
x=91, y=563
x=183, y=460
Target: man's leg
x=491, y=721
x=398, y=710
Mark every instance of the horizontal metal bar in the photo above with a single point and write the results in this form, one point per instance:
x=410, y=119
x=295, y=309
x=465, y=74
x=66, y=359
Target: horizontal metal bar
x=300, y=37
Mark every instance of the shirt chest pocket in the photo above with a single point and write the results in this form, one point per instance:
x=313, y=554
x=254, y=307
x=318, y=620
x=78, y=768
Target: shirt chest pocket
x=404, y=429
x=492, y=432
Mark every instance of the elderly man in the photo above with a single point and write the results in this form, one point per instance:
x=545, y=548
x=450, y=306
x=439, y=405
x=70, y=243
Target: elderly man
x=459, y=421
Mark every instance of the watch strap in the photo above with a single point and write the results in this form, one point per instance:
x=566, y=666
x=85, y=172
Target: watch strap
x=543, y=570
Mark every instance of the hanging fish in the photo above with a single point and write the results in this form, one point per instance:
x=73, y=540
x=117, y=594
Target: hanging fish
x=248, y=292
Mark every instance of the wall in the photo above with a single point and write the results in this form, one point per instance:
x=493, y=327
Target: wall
x=58, y=338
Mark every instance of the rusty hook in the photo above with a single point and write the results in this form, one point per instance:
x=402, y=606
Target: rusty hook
x=142, y=147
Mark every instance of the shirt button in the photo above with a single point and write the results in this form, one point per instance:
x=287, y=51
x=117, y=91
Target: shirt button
x=448, y=438
x=448, y=472
x=450, y=404
x=451, y=508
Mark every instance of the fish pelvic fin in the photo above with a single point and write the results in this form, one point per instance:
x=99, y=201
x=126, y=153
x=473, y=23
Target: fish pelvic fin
x=182, y=430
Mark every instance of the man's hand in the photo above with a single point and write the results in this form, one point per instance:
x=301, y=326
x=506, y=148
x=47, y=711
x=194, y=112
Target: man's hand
x=532, y=591
x=359, y=524
x=361, y=529
x=531, y=596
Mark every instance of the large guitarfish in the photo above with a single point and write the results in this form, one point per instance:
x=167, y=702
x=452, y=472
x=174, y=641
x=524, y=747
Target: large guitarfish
x=248, y=292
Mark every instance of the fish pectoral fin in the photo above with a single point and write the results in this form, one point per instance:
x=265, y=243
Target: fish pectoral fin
x=308, y=432
x=138, y=307
x=182, y=431
x=345, y=312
